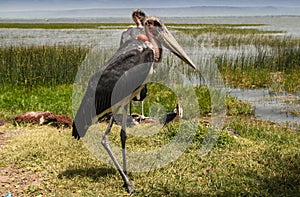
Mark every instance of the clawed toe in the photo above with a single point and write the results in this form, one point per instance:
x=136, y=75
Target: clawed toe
x=129, y=187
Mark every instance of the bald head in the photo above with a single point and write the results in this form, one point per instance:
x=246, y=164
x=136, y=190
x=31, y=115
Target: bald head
x=138, y=17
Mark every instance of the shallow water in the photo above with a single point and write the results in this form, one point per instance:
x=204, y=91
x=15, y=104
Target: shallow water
x=279, y=108
x=85, y=37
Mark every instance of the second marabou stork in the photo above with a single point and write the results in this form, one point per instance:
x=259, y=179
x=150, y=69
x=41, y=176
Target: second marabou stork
x=114, y=85
x=132, y=33
x=138, y=16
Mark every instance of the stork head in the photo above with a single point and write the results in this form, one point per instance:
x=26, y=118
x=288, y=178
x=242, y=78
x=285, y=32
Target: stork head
x=158, y=35
x=138, y=17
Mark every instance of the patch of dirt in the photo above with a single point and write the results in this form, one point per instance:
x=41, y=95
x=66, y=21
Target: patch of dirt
x=13, y=179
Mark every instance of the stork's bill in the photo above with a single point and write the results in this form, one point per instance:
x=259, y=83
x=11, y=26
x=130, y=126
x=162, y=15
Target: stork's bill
x=156, y=29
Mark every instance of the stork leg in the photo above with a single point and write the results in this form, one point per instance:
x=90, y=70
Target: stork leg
x=143, y=116
x=124, y=137
x=129, y=186
x=130, y=108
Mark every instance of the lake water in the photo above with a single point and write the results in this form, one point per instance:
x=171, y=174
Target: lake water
x=289, y=24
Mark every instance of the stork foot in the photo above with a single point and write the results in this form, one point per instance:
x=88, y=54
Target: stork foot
x=129, y=187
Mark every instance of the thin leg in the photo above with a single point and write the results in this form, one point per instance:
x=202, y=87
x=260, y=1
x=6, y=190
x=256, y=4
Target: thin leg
x=130, y=108
x=143, y=117
x=124, y=137
x=130, y=187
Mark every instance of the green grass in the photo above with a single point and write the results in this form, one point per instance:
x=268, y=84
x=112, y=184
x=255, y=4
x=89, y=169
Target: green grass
x=17, y=100
x=58, y=99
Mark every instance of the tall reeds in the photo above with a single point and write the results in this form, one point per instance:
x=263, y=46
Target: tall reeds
x=40, y=65
x=256, y=70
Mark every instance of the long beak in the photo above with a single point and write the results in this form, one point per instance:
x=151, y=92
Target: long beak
x=168, y=40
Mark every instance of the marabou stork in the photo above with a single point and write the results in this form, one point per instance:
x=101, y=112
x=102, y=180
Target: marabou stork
x=121, y=79
x=138, y=16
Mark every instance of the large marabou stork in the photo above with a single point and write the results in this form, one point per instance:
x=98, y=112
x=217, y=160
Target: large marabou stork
x=122, y=78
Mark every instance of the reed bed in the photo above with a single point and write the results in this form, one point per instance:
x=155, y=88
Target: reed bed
x=271, y=65
x=40, y=65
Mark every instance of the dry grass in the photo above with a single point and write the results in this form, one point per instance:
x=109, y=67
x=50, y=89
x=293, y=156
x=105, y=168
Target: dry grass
x=51, y=163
